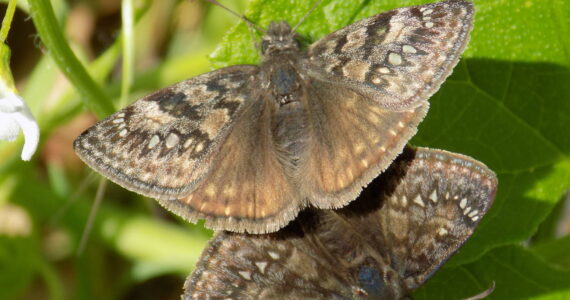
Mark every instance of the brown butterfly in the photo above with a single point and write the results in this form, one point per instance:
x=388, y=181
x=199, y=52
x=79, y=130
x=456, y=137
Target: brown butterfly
x=247, y=147
x=383, y=245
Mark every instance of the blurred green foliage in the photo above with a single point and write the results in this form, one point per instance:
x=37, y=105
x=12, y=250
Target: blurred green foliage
x=507, y=104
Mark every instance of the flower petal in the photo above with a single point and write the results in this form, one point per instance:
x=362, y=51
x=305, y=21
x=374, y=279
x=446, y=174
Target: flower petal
x=13, y=114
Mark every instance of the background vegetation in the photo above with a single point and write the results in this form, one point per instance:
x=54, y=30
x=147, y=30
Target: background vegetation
x=507, y=104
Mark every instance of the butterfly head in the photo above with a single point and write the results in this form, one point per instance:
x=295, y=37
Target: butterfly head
x=279, y=38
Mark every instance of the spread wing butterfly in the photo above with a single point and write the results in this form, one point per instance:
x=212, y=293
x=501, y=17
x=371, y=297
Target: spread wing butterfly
x=247, y=147
x=383, y=245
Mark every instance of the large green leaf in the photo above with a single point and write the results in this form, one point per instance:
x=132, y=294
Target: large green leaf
x=517, y=273
x=507, y=104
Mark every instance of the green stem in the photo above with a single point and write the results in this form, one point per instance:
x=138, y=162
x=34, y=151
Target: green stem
x=7, y=22
x=128, y=50
x=52, y=37
x=5, y=72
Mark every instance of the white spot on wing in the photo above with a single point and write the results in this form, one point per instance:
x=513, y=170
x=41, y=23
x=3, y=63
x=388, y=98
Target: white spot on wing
x=409, y=49
x=463, y=203
x=433, y=196
x=384, y=70
x=394, y=59
x=418, y=200
x=188, y=142
x=473, y=214
x=199, y=147
x=171, y=140
x=274, y=255
x=245, y=274
x=261, y=266
x=153, y=141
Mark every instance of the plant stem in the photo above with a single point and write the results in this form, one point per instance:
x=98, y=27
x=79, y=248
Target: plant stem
x=54, y=40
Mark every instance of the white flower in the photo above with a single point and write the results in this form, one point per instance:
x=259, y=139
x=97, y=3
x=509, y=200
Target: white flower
x=14, y=114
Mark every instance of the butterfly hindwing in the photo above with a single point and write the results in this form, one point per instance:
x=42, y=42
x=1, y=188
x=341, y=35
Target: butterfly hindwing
x=383, y=245
x=351, y=140
x=246, y=180
x=263, y=267
x=432, y=200
x=398, y=58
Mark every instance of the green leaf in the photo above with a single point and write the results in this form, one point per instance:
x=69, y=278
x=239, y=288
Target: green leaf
x=507, y=104
x=517, y=274
x=555, y=251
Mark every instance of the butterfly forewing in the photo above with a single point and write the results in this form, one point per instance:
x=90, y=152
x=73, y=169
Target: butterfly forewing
x=161, y=145
x=398, y=58
x=383, y=245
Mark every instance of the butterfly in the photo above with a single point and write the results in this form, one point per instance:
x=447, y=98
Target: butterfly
x=383, y=245
x=246, y=147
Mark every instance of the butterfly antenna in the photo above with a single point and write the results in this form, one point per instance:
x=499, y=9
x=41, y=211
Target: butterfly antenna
x=306, y=15
x=242, y=17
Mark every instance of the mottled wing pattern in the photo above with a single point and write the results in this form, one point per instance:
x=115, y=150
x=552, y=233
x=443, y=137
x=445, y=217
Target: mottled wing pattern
x=383, y=245
x=431, y=202
x=162, y=145
x=352, y=140
x=368, y=92
x=247, y=188
x=398, y=58
x=275, y=266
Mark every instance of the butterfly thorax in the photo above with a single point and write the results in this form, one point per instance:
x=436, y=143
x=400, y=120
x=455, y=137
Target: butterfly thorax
x=284, y=89
x=279, y=66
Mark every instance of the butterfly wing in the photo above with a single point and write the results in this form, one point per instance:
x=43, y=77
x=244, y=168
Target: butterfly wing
x=351, y=140
x=274, y=266
x=381, y=246
x=247, y=188
x=161, y=145
x=398, y=58
x=202, y=148
x=430, y=203
x=368, y=92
